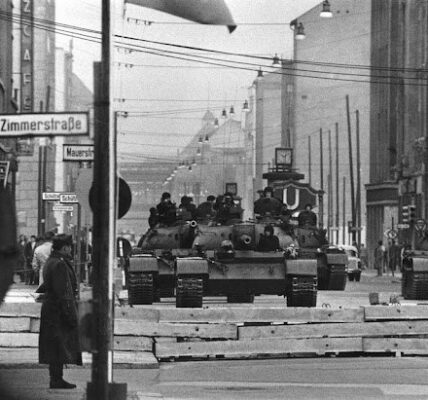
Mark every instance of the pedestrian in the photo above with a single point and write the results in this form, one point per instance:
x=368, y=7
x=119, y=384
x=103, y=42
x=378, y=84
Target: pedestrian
x=22, y=241
x=380, y=258
x=41, y=254
x=363, y=256
x=29, y=254
x=393, y=256
x=58, y=337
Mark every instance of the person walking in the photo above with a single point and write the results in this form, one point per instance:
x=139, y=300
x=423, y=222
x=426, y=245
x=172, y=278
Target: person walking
x=29, y=254
x=380, y=258
x=58, y=337
x=393, y=257
x=41, y=254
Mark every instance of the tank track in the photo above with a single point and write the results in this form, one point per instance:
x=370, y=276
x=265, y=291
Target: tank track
x=415, y=285
x=337, y=277
x=140, y=288
x=302, y=292
x=189, y=293
x=240, y=298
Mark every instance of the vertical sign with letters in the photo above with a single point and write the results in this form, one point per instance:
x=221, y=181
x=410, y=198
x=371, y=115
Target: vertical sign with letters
x=26, y=146
x=27, y=56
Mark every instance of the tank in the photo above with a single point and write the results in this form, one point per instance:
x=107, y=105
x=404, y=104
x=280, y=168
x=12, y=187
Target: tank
x=332, y=260
x=151, y=273
x=414, y=282
x=230, y=265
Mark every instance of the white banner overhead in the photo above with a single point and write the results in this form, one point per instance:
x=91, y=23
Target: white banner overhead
x=49, y=124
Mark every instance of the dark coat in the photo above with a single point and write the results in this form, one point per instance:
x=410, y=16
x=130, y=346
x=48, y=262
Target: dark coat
x=29, y=253
x=58, y=338
x=268, y=243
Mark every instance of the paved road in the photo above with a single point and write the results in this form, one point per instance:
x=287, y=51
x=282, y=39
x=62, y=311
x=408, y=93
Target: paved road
x=321, y=378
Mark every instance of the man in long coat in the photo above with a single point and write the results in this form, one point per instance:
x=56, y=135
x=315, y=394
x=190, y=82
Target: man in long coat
x=58, y=338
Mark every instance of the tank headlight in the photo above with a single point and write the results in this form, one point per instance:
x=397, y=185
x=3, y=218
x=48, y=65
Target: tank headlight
x=318, y=250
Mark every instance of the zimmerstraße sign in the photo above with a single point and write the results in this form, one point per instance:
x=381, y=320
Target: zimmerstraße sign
x=41, y=124
x=77, y=152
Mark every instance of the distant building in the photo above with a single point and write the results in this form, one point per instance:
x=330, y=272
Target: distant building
x=145, y=180
x=214, y=157
x=37, y=93
x=321, y=87
x=398, y=126
x=8, y=102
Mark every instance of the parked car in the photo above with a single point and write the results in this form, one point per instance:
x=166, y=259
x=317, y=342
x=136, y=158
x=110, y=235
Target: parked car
x=354, y=266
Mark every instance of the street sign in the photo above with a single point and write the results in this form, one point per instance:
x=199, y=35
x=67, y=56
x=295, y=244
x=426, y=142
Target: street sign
x=403, y=226
x=68, y=198
x=420, y=225
x=4, y=172
x=78, y=152
x=62, y=208
x=51, y=196
x=44, y=124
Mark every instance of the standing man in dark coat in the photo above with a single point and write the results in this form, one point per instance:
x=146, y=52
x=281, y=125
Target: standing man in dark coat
x=58, y=338
x=29, y=253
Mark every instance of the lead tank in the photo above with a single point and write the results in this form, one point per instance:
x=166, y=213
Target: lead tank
x=151, y=273
x=230, y=265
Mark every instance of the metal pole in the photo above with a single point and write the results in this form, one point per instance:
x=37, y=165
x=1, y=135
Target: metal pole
x=351, y=169
x=330, y=185
x=104, y=225
x=344, y=211
x=310, y=161
x=321, y=210
x=357, y=114
x=337, y=182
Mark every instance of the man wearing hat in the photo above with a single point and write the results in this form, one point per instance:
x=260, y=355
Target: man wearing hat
x=206, y=210
x=58, y=337
x=269, y=205
x=167, y=210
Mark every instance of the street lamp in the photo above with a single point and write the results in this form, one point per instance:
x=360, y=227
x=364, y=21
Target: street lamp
x=259, y=74
x=276, y=61
x=326, y=12
x=216, y=124
x=298, y=28
x=224, y=114
x=232, y=111
x=245, y=106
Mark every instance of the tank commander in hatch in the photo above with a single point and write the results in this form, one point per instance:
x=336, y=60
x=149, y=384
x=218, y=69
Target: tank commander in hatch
x=268, y=205
x=268, y=240
x=307, y=217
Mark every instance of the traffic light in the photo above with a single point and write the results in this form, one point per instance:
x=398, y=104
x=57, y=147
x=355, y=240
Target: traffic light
x=412, y=214
x=405, y=214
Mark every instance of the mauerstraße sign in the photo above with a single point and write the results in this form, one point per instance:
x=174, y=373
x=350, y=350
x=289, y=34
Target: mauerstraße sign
x=40, y=124
x=78, y=152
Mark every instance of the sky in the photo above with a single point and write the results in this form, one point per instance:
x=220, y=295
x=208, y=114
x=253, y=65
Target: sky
x=165, y=86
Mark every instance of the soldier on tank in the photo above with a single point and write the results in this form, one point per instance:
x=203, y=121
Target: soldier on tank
x=307, y=218
x=186, y=210
x=268, y=205
x=167, y=210
x=205, y=210
x=268, y=241
x=228, y=212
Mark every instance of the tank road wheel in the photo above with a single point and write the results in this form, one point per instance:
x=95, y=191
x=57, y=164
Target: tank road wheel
x=189, y=293
x=302, y=292
x=240, y=298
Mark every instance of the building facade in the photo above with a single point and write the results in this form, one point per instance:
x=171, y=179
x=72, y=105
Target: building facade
x=398, y=125
x=36, y=158
x=325, y=72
